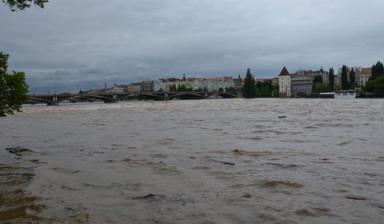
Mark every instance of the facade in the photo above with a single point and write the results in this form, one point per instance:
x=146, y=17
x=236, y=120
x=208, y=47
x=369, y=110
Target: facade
x=239, y=83
x=275, y=81
x=134, y=87
x=195, y=84
x=301, y=86
x=217, y=84
x=115, y=89
x=168, y=83
x=285, y=83
x=363, y=75
x=312, y=74
x=147, y=86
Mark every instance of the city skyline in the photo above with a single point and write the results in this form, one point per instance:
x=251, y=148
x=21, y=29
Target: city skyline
x=80, y=45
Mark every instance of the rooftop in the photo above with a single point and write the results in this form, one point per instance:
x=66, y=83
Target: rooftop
x=284, y=72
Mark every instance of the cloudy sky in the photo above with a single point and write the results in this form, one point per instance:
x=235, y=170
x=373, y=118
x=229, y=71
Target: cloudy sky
x=80, y=44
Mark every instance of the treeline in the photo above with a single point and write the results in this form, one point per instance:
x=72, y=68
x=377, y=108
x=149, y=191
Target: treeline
x=375, y=85
x=252, y=89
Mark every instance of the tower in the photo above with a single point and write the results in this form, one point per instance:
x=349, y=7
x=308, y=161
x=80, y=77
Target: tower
x=285, y=83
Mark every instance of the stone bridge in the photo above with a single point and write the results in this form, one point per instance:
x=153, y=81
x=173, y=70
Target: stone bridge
x=115, y=97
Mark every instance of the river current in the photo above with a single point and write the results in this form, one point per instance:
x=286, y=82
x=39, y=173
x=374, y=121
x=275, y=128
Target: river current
x=206, y=161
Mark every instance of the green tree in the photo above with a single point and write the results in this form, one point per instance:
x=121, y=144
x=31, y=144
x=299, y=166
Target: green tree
x=184, y=88
x=377, y=71
x=172, y=88
x=321, y=87
x=370, y=86
x=264, y=89
x=318, y=79
x=379, y=87
x=352, y=79
x=249, y=85
x=331, y=79
x=344, y=77
x=13, y=88
x=23, y=4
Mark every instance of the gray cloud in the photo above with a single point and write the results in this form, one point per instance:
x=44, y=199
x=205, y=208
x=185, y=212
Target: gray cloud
x=82, y=44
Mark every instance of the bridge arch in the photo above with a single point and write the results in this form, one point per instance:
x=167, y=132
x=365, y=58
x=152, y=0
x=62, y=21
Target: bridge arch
x=91, y=97
x=187, y=95
x=33, y=100
x=227, y=95
x=141, y=96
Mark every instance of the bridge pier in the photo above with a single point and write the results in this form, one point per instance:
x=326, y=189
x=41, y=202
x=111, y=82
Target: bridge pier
x=53, y=102
x=114, y=99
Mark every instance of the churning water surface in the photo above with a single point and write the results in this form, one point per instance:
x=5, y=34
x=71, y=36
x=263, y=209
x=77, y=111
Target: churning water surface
x=209, y=161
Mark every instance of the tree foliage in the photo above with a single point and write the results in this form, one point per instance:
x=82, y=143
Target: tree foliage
x=23, y=4
x=379, y=87
x=318, y=79
x=344, y=78
x=331, y=79
x=352, y=79
x=264, y=89
x=184, y=88
x=376, y=82
x=377, y=71
x=249, y=88
x=321, y=87
x=13, y=88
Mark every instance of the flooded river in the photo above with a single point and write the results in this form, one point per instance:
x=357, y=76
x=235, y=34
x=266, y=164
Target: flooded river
x=210, y=161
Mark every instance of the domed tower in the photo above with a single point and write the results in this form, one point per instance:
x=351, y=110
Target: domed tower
x=284, y=83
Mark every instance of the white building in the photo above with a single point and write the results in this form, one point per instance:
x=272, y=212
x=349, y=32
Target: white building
x=217, y=84
x=362, y=75
x=115, y=89
x=284, y=83
x=203, y=84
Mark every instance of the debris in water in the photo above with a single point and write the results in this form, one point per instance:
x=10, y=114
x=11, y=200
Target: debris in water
x=240, y=152
x=151, y=197
x=18, y=150
x=247, y=195
x=356, y=198
x=273, y=184
x=281, y=117
x=313, y=212
x=284, y=166
x=225, y=162
x=200, y=168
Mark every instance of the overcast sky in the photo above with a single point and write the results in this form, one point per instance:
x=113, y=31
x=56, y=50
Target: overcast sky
x=80, y=44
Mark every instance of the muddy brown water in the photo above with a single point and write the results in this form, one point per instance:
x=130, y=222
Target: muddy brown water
x=209, y=161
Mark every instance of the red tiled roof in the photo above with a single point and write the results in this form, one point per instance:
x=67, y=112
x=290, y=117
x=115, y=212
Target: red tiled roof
x=284, y=72
x=366, y=71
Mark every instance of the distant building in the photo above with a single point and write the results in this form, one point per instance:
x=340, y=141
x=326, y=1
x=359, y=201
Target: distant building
x=312, y=74
x=147, y=86
x=239, y=83
x=196, y=84
x=284, y=83
x=275, y=81
x=217, y=84
x=362, y=75
x=169, y=83
x=134, y=87
x=301, y=86
x=115, y=89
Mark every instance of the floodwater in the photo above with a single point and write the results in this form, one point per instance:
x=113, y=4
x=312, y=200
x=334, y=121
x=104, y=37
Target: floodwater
x=208, y=161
